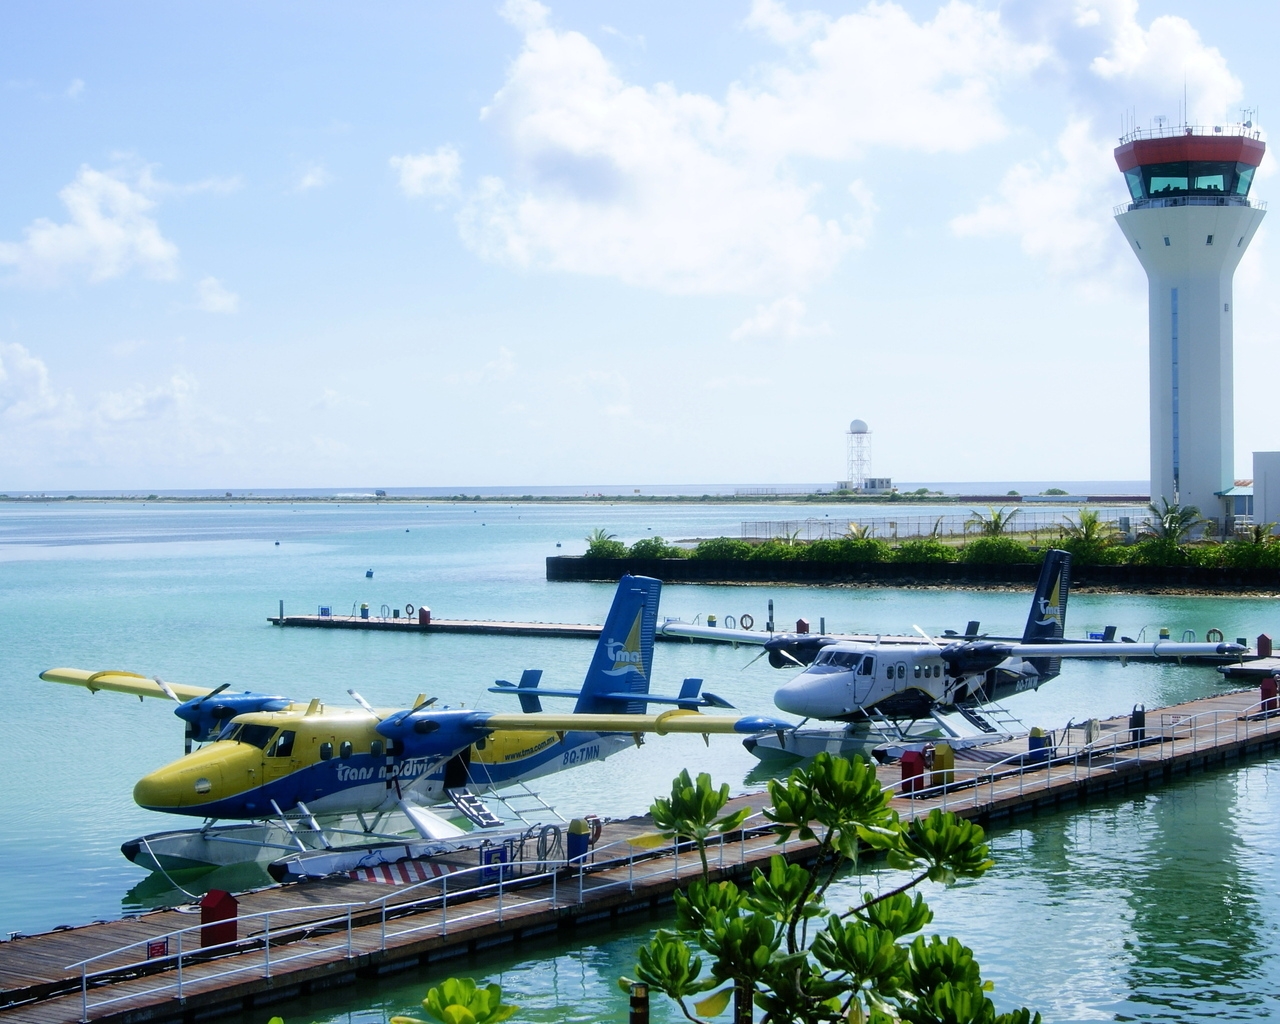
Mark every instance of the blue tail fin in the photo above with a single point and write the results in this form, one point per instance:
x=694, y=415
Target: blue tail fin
x=624, y=656
x=1048, y=614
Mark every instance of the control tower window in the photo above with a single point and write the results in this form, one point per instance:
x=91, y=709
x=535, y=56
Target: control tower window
x=1195, y=177
x=1244, y=179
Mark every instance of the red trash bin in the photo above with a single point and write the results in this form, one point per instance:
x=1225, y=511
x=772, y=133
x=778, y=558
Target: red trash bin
x=912, y=771
x=218, y=913
x=424, y=616
x=1269, y=702
x=1263, y=650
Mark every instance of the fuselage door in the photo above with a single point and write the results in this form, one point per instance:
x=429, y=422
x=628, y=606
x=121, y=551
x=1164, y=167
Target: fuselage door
x=864, y=680
x=280, y=759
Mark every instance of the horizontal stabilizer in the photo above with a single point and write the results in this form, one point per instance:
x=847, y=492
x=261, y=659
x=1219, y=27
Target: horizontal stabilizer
x=688, y=699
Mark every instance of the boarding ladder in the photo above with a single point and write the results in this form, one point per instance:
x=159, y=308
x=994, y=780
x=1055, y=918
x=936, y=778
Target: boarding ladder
x=991, y=717
x=523, y=804
x=473, y=808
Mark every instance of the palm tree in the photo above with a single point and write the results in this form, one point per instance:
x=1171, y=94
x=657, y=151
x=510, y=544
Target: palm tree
x=994, y=524
x=1090, y=528
x=1261, y=533
x=860, y=531
x=1173, y=522
x=599, y=536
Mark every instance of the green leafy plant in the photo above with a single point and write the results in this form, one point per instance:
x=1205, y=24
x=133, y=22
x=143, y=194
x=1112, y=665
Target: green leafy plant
x=990, y=550
x=655, y=547
x=923, y=551
x=722, y=547
x=992, y=523
x=775, y=551
x=1173, y=522
x=1088, y=537
x=691, y=810
x=601, y=544
x=462, y=1001
x=777, y=945
x=852, y=550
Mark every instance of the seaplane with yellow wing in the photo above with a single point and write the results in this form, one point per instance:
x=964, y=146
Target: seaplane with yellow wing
x=304, y=777
x=887, y=690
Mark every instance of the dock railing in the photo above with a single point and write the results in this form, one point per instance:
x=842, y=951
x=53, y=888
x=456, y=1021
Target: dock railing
x=1028, y=771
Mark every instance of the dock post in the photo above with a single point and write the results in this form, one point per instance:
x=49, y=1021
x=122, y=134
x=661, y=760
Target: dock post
x=348, y=933
x=181, y=997
x=266, y=943
x=281, y=611
x=84, y=992
x=639, y=1004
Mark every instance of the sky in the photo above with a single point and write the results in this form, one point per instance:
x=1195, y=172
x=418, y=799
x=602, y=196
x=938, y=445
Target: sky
x=426, y=244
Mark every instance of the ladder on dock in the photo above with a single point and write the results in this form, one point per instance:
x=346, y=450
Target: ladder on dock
x=473, y=808
x=523, y=804
x=991, y=717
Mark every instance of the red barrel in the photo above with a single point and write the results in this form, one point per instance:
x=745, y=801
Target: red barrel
x=1269, y=702
x=912, y=771
x=424, y=616
x=218, y=913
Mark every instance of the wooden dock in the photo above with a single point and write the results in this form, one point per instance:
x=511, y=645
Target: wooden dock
x=307, y=937
x=484, y=627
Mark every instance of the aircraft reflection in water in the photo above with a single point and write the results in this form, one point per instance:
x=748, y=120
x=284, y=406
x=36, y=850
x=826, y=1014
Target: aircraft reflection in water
x=276, y=761
x=877, y=686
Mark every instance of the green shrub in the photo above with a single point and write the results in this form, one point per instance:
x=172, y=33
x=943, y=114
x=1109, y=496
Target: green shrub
x=926, y=550
x=655, y=547
x=722, y=547
x=775, y=551
x=997, y=551
x=1157, y=551
x=848, y=549
x=606, y=548
x=1243, y=555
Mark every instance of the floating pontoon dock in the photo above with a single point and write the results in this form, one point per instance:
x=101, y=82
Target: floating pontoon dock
x=311, y=936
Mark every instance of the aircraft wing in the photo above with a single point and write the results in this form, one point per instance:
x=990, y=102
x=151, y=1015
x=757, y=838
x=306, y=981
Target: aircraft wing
x=675, y=721
x=1157, y=650
x=726, y=636
x=120, y=682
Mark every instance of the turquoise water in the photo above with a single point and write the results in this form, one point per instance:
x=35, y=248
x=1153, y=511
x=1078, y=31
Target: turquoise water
x=1154, y=908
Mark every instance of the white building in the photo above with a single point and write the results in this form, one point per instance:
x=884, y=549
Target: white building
x=1189, y=223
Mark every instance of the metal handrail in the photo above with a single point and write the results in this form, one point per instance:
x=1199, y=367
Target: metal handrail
x=1161, y=202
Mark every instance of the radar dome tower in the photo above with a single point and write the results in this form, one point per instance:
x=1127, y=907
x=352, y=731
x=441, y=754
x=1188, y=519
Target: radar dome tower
x=1189, y=223
x=859, y=454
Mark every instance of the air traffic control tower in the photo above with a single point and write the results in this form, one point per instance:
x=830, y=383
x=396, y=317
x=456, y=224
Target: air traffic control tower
x=1189, y=223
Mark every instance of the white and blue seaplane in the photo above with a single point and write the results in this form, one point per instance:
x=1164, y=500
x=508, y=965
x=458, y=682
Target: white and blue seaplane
x=313, y=787
x=891, y=690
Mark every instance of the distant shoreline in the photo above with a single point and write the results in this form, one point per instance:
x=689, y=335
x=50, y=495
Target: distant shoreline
x=589, y=499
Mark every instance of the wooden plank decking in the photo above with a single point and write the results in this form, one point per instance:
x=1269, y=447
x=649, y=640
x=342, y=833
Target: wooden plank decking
x=36, y=985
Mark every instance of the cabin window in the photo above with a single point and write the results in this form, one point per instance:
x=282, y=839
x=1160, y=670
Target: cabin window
x=326, y=751
x=345, y=749
x=937, y=671
x=916, y=672
x=375, y=748
x=257, y=735
x=868, y=666
x=283, y=746
x=902, y=671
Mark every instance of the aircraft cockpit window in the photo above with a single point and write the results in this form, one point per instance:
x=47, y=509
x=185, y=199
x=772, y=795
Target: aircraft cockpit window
x=256, y=735
x=823, y=658
x=229, y=731
x=844, y=659
x=282, y=747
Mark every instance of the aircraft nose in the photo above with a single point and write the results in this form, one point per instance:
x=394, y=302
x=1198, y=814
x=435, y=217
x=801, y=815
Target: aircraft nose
x=797, y=697
x=178, y=785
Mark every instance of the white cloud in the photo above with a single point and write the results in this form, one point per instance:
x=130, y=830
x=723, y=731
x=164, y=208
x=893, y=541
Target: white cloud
x=1162, y=58
x=686, y=193
x=434, y=174
x=75, y=88
x=783, y=318
x=501, y=367
x=315, y=176
x=142, y=403
x=25, y=392
x=1059, y=207
x=109, y=232
x=213, y=297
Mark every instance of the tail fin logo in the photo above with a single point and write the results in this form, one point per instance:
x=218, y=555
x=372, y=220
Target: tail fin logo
x=626, y=655
x=1051, y=606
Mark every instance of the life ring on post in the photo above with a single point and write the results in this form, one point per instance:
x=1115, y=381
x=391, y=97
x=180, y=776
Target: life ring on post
x=730, y=622
x=408, y=609
x=1214, y=636
x=746, y=621
x=597, y=826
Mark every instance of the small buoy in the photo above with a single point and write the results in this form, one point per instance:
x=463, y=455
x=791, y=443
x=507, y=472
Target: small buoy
x=368, y=574
x=557, y=543
x=406, y=531
x=277, y=543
